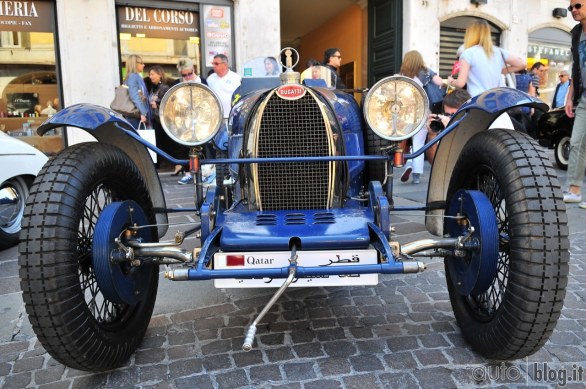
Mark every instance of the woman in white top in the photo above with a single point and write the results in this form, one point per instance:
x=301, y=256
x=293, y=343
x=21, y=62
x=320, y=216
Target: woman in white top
x=483, y=64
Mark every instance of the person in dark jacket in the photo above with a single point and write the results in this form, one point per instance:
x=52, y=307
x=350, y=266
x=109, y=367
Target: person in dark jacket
x=333, y=60
x=577, y=160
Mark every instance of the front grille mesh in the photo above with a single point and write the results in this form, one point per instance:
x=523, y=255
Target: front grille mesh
x=293, y=128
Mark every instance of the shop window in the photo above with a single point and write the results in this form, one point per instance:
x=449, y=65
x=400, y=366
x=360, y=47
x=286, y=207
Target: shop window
x=550, y=46
x=10, y=39
x=29, y=90
x=160, y=37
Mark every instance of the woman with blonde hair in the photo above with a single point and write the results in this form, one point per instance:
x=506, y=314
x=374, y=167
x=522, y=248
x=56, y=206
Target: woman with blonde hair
x=414, y=67
x=482, y=63
x=136, y=88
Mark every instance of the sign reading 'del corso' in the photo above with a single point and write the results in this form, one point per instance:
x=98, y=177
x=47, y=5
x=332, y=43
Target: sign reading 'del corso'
x=158, y=23
x=26, y=16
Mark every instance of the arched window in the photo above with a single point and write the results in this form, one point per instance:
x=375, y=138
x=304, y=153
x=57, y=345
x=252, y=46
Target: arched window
x=550, y=46
x=452, y=36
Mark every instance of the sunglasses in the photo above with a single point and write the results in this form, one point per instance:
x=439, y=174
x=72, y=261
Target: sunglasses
x=577, y=6
x=186, y=75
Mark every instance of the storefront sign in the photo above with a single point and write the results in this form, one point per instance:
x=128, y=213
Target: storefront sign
x=218, y=33
x=26, y=16
x=158, y=23
x=540, y=50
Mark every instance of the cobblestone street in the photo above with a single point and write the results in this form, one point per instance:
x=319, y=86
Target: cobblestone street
x=398, y=334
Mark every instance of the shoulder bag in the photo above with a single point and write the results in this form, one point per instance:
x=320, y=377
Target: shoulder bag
x=122, y=103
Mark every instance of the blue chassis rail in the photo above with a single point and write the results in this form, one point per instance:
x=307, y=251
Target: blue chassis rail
x=292, y=159
x=389, y=266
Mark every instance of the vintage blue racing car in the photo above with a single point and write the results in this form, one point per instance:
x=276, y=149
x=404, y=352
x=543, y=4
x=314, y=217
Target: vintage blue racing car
x=304, y=197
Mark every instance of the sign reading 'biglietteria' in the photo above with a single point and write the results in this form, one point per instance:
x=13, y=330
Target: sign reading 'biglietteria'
x=26, y=16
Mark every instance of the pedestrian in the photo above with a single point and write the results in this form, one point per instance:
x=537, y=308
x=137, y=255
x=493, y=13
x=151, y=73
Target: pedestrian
x=451, y=103
x=576, y=95
x=523, y=115
x=333, y=60
x=187, y=71
x=561, y=90
x=482, y=63
x=224, y=83
x=456, y=68
x=137, y=89
x=537, y=71
x=157, y=89
x=414, y=68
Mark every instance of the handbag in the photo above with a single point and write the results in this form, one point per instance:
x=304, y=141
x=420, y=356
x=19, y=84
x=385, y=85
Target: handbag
x=148, y=134
x=509, y=78
x=434, y=92
x=122, y=103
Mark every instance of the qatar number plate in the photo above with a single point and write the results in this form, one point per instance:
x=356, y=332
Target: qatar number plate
x=261, y=260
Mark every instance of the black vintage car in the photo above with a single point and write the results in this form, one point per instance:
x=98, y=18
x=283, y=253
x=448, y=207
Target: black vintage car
x=554, y=132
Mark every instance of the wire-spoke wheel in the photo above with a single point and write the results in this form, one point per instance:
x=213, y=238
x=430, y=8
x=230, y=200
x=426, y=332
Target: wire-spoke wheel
x=516, y=315
x=72, y=318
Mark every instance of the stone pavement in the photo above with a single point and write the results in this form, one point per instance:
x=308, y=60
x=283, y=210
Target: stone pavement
x=398, y=334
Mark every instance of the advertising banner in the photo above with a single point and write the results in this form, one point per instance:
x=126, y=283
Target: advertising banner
x=217, y=30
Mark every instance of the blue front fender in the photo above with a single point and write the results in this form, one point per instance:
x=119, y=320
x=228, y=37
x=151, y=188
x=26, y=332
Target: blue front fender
x=108, y=127
x=498, y=100
x=475, y=116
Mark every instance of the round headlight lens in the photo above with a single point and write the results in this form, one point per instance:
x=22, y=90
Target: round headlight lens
x=190, y=113
x=396, y=108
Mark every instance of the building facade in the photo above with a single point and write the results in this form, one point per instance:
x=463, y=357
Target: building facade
x=56, y=53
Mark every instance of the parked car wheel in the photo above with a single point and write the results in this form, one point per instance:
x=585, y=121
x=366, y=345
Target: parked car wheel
x=72, y=318
x=19, y=164
x=562, y=152
x=514, y=317
x=10, y=227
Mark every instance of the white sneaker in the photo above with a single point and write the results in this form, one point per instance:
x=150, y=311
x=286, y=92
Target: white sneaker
x=570, y=197
x=582, y=205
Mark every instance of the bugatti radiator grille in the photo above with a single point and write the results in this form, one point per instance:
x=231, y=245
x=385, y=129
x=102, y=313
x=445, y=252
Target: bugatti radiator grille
x=294, y=128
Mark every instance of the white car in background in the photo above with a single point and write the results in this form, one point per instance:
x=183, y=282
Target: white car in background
x=19, y=165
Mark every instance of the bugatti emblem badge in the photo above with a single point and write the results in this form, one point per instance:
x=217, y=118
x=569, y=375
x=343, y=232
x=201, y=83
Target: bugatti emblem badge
x=291, y=92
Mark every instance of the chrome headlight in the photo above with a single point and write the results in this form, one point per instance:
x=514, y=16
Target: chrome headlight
x=191, y=113
x=396, y=108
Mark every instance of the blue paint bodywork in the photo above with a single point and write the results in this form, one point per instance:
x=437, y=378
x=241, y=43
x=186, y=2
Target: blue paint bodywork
x=357, y=225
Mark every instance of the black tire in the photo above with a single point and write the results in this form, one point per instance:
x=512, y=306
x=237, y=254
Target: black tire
x=10, y=230
x=516, y=315
x=562, y=152
x=69, y=314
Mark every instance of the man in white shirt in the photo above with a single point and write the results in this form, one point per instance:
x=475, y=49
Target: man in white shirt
x=223, y=82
